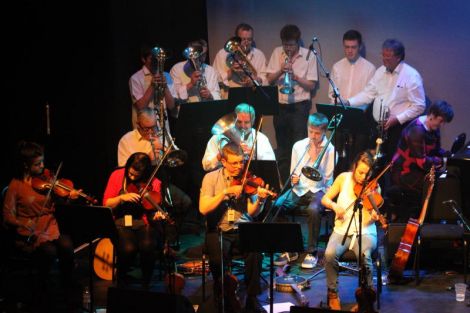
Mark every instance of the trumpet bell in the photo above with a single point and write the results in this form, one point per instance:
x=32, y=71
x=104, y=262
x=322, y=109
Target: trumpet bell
x=176, y=158
x=311, y=173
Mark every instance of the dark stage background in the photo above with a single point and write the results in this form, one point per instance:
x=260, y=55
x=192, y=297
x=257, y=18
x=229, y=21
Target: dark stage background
x=77, y=57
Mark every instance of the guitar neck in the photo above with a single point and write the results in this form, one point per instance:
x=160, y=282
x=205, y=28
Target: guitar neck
x=424, y=209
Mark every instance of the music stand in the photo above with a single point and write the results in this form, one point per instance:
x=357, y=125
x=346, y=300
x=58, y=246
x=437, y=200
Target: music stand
x=83, y=224
x=268, y=171
x=265, y=102
x=354, y=118
x=271, y=238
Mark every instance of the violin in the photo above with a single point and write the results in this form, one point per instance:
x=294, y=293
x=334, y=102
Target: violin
x=252, y=182
x=61, y=188
x=150, y=200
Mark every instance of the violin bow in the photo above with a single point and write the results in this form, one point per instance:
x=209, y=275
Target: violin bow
x=255, y=140
x=168, y=150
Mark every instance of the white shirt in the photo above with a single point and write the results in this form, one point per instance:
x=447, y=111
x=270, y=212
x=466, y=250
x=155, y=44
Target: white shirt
x=130, y=143
x=346, y=199
x=256, y=58
x=180, y=80
x=326, y=167
x=401, y=92
x=139, y=83
x=350, y=78
x=301, y=67
x=264, y=150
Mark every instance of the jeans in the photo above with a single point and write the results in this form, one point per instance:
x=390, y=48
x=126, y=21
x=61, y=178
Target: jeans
x=335, y=250
x=311, y=203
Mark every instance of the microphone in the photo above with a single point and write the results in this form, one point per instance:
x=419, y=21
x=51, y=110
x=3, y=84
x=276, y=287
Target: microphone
x=450, y=201
x=310, y=48
x=309, y=51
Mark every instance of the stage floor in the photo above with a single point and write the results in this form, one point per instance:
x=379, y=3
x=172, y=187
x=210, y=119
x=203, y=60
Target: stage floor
x=434, y=294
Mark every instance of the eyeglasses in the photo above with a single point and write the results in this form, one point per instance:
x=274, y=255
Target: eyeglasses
x=147, y=129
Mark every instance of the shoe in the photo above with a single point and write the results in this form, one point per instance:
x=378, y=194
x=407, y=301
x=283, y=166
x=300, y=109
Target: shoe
x=309, y=262
x=285, y=258
x=253, y=305
x=333, y=300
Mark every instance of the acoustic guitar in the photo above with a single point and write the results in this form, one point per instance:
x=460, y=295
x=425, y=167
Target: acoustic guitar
x=103, y=261
x=407, y=240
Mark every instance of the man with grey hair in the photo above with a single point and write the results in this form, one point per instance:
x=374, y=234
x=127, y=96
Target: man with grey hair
x=397, y=92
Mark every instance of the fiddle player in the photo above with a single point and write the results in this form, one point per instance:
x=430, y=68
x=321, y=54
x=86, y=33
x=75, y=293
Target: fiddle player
x=224, y=214
x=419, y=148
x=230, y=71
x=294, y=106
x=136, y=230
x=244, y=130
x=344, y=189
x=30, y=215
x=306, y=193
x=147, y=139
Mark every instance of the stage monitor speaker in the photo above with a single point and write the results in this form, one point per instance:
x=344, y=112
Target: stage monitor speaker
x=122, y=300
x=301, y=309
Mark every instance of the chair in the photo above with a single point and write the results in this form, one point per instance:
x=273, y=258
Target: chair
x=441, y=222
x=326, y=217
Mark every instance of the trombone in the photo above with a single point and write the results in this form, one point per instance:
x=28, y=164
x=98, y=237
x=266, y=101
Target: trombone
x=312, y=172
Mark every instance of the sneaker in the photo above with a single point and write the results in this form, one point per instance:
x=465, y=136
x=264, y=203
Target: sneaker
x=285, y=258
x=310, y=261
x=333, y=301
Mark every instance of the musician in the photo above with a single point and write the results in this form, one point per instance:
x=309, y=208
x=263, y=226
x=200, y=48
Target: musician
x=135, y=225
x=306, y=193
x=419, y=148
x=291, y=59
x=396, y=90
x=243, y=130
x=144, y=82
x=192, y=85
x=343, y=188
x=225, y=214
x=230, y=72
x=30, y=216
x=147, y=138
x=351, y=75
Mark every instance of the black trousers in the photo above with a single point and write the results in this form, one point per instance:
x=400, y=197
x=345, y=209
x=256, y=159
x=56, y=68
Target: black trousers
x=290, y=126
x=231, y=242
x=132, y=241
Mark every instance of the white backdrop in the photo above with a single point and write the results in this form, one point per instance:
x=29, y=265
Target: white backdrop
x=436, y=35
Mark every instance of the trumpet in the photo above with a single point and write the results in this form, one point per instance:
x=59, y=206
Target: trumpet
x=158, y=62
x=193, y=55
x=312, y=172
x=287, y=87
x=233, y=47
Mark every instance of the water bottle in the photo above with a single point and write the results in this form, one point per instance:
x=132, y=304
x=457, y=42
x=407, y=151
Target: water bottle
x=86, y=299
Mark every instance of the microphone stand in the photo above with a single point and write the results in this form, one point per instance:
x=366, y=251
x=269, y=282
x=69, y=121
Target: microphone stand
x=457, y=211
x=331, y=82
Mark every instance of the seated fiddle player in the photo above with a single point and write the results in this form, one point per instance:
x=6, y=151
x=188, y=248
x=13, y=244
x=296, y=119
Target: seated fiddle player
x=147, y=138
x=143, y=85
x=344, y=189
x=136, y=231
x=228, y=65
x=223, y=213
x=245, y=131
x=30, y=215
x=419, y=148
x=306, y=193
x=194, y=80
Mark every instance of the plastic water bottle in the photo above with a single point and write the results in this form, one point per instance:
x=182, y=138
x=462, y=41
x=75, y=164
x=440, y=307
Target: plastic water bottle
x=86, y=299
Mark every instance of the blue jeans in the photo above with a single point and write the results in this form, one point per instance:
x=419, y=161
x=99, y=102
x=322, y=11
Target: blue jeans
x=311, y=202
x=335, y=250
